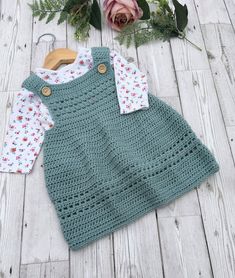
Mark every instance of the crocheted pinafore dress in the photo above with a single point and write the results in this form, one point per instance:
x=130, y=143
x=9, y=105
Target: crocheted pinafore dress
x=104, y=169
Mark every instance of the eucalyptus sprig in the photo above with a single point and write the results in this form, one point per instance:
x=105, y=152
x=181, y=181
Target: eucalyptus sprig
x=163, y=23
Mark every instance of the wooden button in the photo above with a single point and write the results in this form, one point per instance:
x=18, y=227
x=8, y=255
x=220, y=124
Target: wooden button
x=46, y=91
x=102, y=68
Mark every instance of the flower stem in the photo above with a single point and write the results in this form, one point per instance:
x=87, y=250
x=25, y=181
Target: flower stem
x=193, y=44
x=183, y=36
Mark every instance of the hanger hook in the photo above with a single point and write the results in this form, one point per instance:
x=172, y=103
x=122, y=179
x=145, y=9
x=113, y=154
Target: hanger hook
x=48, y=34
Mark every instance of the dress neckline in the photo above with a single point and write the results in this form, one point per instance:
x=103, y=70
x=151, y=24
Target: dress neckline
x=99, y=54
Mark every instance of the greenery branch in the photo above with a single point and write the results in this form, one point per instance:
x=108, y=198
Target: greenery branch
x=81, y=14
x=163, y=23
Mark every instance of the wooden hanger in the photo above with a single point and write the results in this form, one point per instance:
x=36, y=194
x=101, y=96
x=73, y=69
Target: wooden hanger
x=59, y=56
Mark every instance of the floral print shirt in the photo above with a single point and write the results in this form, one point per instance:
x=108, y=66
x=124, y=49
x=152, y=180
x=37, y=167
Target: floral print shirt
x=30, y=118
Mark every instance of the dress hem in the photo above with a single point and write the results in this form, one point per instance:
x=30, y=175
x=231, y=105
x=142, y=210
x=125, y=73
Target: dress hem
x=195, y=184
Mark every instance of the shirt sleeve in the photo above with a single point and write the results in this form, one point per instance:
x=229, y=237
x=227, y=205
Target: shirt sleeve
x=28, y=121
x=131, y=84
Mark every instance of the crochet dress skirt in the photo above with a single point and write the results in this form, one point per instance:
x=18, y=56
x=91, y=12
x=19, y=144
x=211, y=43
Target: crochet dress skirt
x=104, y=169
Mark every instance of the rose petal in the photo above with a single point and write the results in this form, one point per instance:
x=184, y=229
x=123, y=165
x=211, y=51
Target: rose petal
x=127, y=3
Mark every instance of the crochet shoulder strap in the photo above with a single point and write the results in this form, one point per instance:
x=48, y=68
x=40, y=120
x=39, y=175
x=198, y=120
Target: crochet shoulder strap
x=100, y=54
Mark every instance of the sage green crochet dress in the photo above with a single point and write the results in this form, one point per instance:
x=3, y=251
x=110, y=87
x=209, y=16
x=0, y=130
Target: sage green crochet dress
x=104, y=169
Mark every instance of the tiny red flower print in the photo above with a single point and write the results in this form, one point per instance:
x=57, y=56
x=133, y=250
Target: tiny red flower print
x=46, y=77
x=13, y=150
x=30, y=109
x=81, y=62
x=25, y=139
x=19, y=118
x=19, y=171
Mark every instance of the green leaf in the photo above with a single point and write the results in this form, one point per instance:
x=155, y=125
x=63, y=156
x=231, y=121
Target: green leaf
x=181, y=13
x=42, y=15
x=71, y=3
x=95, y=16
x=42, y=5
x=145, y=8
x=62, y=18
x=48, y=4
x=36, y=13
x=36, y=5
x=50, y=17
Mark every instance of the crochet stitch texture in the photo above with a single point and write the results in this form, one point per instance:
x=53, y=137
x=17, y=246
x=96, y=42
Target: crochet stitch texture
x=104, y=170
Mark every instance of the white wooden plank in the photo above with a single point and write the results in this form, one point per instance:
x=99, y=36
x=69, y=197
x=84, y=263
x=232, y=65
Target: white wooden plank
x=184, y=248
x=231, y=136
x=220, y=42
x=52, y=269
x=230, y=5
x=15, y=47
x=93, y=260
x=155, y=60
x=186, y=56
x=202, y=110
x=145, y=257
x=40, y=28
x=212, y=11
x=217, y=195
x=11, y=204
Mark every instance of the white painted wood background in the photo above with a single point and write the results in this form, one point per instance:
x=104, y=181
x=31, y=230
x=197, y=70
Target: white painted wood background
x=193, y=236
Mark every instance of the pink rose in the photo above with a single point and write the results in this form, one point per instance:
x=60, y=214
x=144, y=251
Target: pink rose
x=120, y=13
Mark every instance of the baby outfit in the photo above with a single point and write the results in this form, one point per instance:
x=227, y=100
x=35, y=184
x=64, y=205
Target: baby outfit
x=112, y=151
